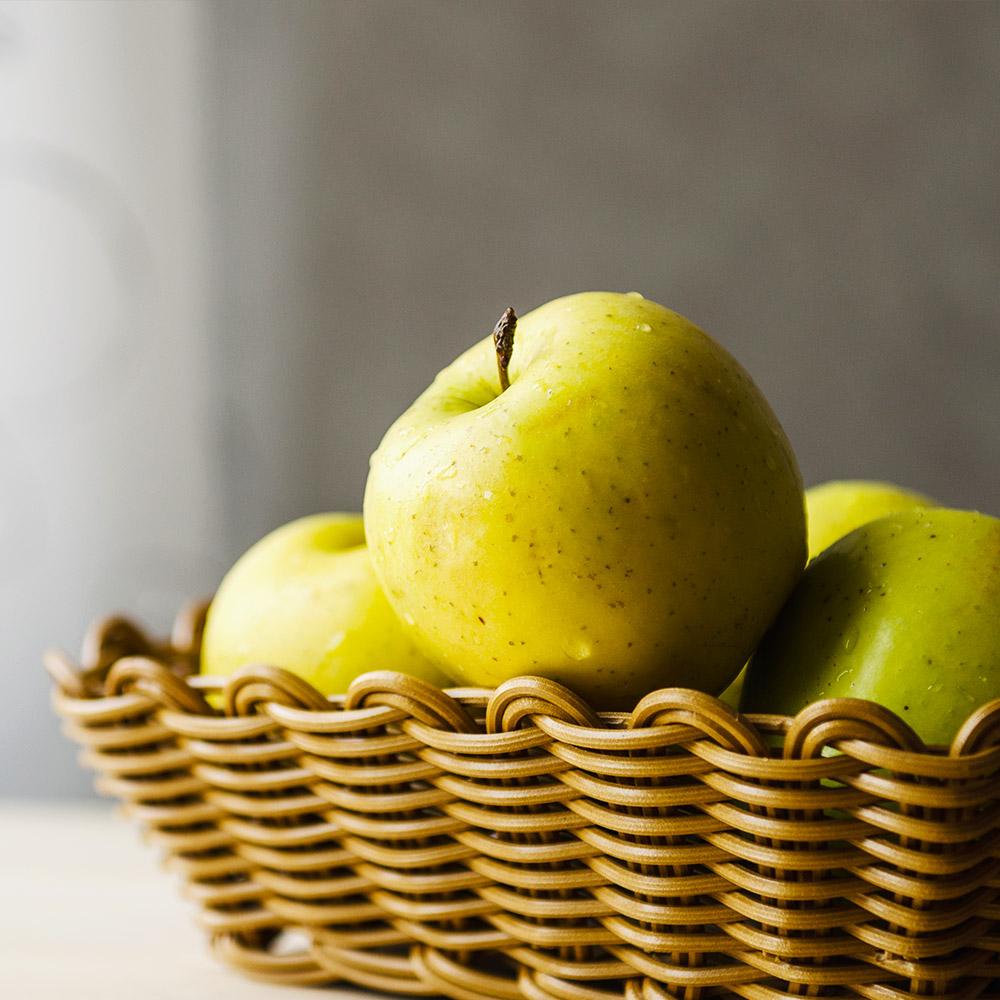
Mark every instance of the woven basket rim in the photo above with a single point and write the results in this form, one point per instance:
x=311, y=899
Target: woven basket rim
x=120, y=663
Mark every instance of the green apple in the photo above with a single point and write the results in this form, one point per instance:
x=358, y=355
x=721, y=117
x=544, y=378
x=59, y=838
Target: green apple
x=305, y=598
x=733, y=694
x=904, y=611
x=833, y=510
x=836, y=508
x=626, y=515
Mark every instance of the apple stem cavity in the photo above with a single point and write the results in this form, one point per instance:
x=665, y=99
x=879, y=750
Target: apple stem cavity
x=503, y=340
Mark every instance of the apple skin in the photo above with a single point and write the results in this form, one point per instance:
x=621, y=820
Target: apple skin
x=733, y=694
x=904, y=611
x=305, y=598
x=628, y=515
x=833, y=510
x=836, y=508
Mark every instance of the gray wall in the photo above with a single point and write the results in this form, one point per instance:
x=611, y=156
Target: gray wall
x=815, y=184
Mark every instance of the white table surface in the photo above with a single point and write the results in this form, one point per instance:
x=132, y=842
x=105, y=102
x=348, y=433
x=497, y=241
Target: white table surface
x=86, y=913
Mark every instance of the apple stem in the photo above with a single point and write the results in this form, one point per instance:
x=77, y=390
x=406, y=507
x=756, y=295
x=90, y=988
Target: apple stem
x=503, y=340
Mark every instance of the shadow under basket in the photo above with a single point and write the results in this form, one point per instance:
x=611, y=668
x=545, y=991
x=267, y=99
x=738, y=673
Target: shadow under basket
x=515, y=843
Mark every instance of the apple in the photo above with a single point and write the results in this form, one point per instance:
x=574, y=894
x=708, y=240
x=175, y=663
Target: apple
x=833, y=510
x=904, y=611
x=836, y=508
x=734, y=693
x=305, y=598
x=606, y=500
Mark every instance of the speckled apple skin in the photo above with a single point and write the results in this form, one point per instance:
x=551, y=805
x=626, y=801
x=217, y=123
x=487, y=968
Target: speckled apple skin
x=836, y=508
x=305, y=598
x=628, y=515
x=904, y=611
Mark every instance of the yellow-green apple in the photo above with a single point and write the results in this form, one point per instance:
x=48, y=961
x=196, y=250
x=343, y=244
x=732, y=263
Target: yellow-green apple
x=734, y=693
x=305, y=598
x=627, y=514
x=833, y=510
x=836, y=508
x=904, y=611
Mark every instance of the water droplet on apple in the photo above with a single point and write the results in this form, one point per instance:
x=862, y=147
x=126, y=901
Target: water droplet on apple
x=487, y=494
x=643, y=327
x=335, y=640
x=771, y=463
x=408, y=618
x=634, y=295
x=578, y=647
x=850, y=640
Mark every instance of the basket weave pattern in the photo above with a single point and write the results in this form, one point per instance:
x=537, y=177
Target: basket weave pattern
x=509, y=844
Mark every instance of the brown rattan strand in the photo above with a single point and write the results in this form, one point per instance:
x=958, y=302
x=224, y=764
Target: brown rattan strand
x=516, y=843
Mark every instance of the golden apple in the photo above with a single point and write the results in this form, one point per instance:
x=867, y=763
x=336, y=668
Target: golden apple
x=836, y=508
x=608, y=501
x=305, y=598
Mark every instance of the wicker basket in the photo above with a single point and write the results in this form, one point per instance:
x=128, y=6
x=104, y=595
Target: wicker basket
x=514, y=843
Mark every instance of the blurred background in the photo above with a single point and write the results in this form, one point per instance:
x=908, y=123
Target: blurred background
x=238, y=238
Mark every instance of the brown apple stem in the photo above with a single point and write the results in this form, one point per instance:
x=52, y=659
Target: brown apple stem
x=503, y=340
